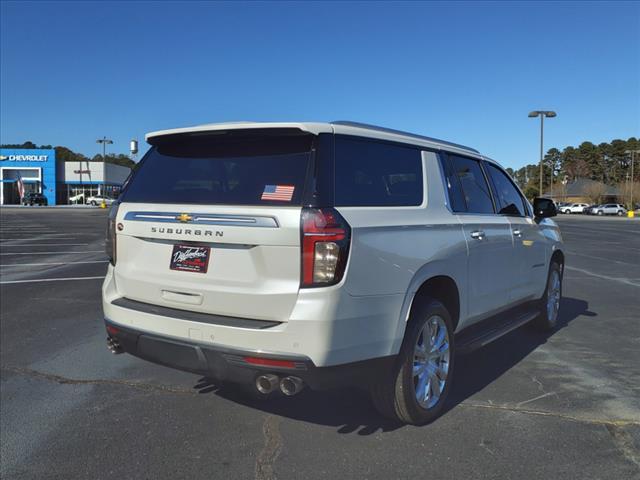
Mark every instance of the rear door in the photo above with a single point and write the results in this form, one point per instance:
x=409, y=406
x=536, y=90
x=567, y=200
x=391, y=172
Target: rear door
x=491, y=265
x=211, y=223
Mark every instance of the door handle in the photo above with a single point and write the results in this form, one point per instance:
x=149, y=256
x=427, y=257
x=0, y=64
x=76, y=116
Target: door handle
x=477, y=234
x=517, y=233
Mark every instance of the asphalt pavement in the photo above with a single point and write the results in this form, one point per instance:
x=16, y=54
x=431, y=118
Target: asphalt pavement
x=564, y=405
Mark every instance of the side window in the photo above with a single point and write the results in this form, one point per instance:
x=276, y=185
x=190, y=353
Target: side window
x=369, y=173
x=475, y=189
x=509, y=200
x=456, y=196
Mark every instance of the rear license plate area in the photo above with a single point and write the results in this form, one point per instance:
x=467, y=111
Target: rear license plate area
x=189, y=258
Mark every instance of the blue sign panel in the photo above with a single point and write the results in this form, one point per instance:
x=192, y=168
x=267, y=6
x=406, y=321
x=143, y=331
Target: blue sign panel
x=34, y=166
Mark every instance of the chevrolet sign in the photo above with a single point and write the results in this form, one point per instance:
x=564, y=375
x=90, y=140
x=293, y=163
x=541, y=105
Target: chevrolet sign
x=25, y=158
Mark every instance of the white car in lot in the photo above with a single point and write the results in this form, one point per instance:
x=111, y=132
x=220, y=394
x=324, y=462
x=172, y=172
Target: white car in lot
x=98, y=199
x=574, y=208
x=291, y=255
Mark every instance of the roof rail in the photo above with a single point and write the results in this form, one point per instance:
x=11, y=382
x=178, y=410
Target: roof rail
x=400, y=132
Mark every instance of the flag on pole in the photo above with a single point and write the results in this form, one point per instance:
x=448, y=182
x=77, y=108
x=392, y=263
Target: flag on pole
x=20, y=184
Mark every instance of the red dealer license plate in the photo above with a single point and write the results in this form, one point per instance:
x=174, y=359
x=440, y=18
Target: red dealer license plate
x=188, y=258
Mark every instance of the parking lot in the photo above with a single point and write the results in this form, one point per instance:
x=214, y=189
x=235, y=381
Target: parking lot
x=565, y=405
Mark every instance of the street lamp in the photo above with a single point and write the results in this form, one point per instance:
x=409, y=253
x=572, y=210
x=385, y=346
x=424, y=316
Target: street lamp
x=104, y=141
x=542, y=114
x=632, y=153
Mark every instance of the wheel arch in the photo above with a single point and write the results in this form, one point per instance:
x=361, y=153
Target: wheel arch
x=438, y=286
x=444, y=289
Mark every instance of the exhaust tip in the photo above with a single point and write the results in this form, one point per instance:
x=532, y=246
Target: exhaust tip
x=114, y=346
x=291, y=385
x=265, y=384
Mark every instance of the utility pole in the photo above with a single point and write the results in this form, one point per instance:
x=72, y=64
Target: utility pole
x=632, y=153
x=542, y=114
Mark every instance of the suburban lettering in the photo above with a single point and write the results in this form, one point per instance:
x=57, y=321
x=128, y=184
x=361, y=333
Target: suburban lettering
x=188, y=231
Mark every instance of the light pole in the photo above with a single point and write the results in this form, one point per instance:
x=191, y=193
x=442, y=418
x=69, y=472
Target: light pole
x=632, y=153
x=542, y=114
x=104, y=141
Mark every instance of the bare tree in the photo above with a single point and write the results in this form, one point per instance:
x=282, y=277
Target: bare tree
x=594, y=191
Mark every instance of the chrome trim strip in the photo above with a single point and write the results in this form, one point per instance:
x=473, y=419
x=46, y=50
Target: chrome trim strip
x=198, y=219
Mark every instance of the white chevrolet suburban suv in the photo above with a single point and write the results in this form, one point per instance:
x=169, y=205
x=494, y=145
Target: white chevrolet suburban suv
x=291, y=255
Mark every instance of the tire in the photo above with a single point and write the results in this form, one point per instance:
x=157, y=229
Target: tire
x=394, y=394
x=568, y=212
x=620, y=213
x=600, y=212
x=549, y=311
x=93, y=203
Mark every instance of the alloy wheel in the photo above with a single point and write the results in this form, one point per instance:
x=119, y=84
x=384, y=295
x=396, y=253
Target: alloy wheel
x=431, y=362
x=553, y=296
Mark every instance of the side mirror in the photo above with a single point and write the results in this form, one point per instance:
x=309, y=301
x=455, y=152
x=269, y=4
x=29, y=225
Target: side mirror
x=544, y=208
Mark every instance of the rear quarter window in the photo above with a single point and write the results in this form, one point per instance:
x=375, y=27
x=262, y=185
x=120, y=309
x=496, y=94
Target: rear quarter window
x=370, y=173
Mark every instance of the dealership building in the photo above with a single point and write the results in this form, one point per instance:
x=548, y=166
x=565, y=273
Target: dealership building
x=61, y=182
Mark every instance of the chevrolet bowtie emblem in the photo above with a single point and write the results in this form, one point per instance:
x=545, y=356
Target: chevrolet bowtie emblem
x=184, y=218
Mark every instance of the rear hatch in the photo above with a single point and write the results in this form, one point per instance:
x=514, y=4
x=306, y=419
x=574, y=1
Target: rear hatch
x=211, y=223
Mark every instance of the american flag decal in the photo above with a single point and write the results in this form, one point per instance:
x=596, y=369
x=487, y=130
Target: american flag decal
x=283, y=193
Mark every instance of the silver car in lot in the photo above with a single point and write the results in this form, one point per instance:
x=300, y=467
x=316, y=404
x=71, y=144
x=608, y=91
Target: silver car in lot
x=609, y=209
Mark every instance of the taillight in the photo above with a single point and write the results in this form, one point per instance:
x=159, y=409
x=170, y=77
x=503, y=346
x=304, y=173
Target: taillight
x=325, y=246
x=110, y=240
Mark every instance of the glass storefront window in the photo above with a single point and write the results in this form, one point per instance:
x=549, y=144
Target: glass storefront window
x=80, y=193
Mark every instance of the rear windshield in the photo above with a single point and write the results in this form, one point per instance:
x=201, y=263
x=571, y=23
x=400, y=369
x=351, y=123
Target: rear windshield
x=230, y=168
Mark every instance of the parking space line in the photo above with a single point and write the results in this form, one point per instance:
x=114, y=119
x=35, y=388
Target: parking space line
x=39, y=237
x=4, y=241
x=65, y=234
x=51, y=253
x=50, y=263
x=621, y=244
x=46, y=245
x=597, y=258
x=35, y=280
x=626, y=281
